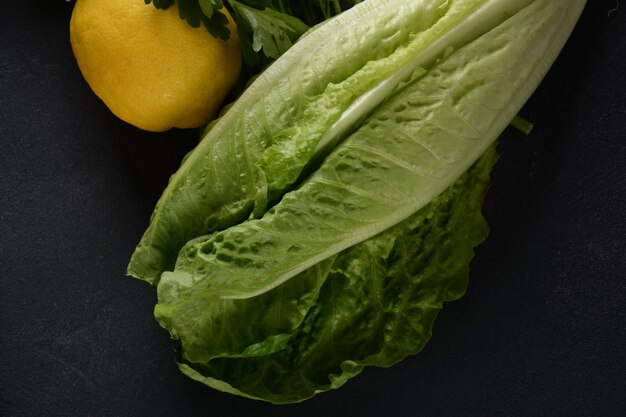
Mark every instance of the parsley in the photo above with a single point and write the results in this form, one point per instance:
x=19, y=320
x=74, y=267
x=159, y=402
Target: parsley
x=266, y=28
x=197, y=12
x=271, y=31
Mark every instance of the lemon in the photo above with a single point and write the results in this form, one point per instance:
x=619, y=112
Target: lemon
x=150, y=67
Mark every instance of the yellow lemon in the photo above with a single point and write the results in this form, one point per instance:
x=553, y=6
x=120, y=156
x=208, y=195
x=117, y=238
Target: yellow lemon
x=149, y=66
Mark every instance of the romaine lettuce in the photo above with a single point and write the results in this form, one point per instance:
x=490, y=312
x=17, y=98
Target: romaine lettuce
x=324, y=219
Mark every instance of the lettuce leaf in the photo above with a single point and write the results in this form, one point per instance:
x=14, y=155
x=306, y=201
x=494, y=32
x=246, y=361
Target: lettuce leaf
x=325, y=218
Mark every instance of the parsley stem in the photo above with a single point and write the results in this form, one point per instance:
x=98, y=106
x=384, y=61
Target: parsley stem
x=282, y=7
x=522, y=124
x=337, y=6
x=308, y=14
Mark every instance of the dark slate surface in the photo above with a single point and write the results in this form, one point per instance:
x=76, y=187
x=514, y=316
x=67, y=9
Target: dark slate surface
x=541, y=331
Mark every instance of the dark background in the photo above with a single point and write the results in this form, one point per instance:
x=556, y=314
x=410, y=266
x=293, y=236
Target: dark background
x=541, y=331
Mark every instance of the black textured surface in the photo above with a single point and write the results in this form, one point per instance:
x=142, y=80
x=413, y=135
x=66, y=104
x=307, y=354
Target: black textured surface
x=541, y=331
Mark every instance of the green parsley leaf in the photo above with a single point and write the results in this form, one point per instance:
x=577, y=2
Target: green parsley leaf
x=199, y=12
x=272, y=32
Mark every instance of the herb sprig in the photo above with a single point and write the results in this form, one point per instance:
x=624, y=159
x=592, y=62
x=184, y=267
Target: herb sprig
x=266, y=28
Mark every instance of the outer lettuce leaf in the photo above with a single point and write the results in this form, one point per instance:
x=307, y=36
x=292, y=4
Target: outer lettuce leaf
x=376, y=306
x=407, y=152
